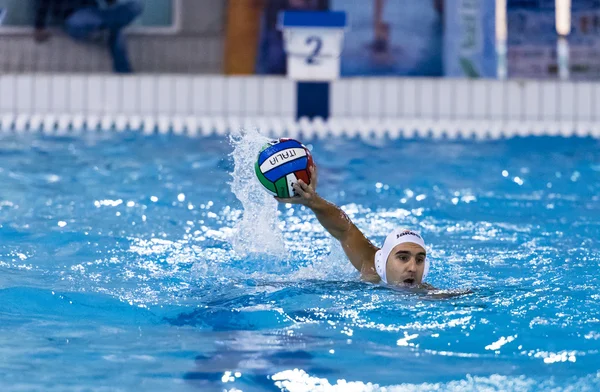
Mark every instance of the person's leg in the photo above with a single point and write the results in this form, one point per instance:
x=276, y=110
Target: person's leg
x=121, y=14
x=382, y=29
x=115, y=19
x=118, y=51
x=83, y=23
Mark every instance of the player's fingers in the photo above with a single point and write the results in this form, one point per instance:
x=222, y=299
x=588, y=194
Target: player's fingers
x=304, y=186
x=300, y=191
x=313, y=176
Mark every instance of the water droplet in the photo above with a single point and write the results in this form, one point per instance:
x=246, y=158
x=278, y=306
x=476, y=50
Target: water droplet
x=575, y=176
x=52, y=178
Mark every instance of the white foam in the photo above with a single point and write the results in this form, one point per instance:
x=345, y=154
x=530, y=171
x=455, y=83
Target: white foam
x=298, y=380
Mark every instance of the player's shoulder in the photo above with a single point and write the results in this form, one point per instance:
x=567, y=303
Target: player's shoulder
x=368, y=273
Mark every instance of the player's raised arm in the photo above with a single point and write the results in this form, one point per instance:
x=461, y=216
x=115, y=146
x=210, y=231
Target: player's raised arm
x=285, y=168
x=357, y=247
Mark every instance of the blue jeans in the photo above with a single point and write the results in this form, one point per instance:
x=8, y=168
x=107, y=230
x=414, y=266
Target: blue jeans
x=83, y=23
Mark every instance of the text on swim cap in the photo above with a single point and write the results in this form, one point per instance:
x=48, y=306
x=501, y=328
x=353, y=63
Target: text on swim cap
x=408, y=233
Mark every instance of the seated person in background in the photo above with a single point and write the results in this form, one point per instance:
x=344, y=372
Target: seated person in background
x=83, y=19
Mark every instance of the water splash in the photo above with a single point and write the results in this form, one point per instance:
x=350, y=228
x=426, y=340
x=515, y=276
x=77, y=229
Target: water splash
x=258, y=232
x=333, y=266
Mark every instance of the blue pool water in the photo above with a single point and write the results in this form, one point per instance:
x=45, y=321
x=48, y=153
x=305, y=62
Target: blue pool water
x=154, y=263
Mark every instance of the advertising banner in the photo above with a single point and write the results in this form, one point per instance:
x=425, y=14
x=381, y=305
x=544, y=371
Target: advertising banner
x=470, y=39
x=532, y=39
x=392, y=37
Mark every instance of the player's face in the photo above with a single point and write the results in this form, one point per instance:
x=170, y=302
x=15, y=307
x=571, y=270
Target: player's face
x=406, y=264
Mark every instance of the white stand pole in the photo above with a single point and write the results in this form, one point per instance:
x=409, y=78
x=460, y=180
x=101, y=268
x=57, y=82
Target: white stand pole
x=562, y=52
x=502, y=66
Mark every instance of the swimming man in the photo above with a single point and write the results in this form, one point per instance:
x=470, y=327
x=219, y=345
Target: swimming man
x=402, y=261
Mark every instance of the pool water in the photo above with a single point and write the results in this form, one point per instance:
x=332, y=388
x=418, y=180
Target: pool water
x=130, y=262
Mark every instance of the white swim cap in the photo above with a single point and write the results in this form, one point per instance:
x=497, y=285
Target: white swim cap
x=395, y=238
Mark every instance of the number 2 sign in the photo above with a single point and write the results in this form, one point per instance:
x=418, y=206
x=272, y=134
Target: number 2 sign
x=313, y=44
x=317, y=43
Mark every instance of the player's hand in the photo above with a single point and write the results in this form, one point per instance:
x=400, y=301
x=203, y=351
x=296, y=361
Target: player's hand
x=305, y=194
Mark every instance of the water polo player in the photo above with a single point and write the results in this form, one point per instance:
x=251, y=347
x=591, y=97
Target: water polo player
x=401, y=261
